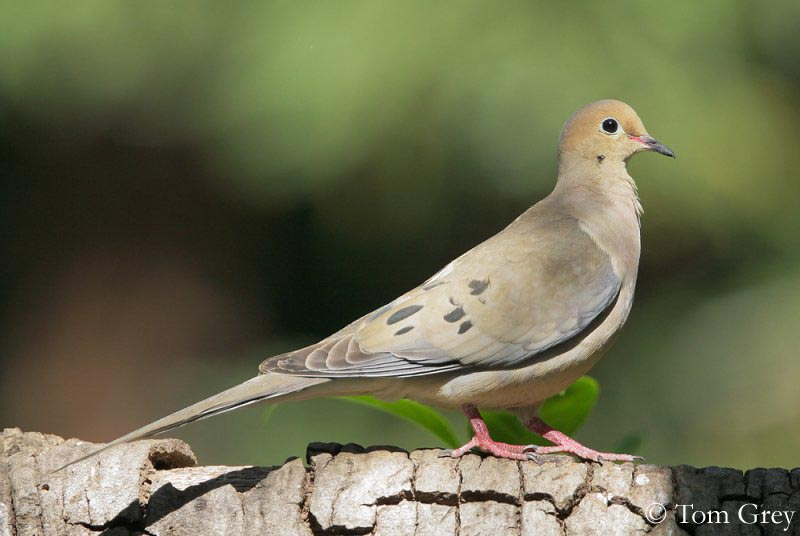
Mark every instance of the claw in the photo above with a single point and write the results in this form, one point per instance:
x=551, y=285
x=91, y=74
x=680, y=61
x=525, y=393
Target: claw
x=535, y=458
x=530, y=452
x=445, y=453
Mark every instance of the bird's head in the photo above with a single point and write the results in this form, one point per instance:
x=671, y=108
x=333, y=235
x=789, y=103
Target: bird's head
x=606, y=131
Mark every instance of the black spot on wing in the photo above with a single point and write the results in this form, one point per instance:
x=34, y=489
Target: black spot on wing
x=464, y=327
x=402, y=314
x=403, y=330
x=478, y=286
x=455, y=315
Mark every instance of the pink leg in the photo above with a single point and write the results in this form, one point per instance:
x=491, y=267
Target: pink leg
x=564, y=443
x=483, y=441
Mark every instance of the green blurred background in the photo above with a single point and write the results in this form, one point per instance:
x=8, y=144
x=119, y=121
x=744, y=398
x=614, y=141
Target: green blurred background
x=189, y=187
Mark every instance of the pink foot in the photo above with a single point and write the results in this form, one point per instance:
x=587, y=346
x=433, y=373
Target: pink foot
x=564, y=443
x=482, y=440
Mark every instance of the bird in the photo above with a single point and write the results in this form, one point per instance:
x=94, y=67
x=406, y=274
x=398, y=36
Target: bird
x=512, y=321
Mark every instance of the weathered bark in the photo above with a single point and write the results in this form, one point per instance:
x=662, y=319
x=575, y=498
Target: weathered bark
x=153, y=487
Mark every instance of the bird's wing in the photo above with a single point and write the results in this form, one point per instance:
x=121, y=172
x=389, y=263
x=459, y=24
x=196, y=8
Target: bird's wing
x=533, y=286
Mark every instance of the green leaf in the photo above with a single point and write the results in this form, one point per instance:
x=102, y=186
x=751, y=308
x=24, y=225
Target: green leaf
x=569, y=409
x=565, y=411
x=420, y=414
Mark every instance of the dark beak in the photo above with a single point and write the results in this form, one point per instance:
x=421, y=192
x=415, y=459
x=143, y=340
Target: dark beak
x=653, y=144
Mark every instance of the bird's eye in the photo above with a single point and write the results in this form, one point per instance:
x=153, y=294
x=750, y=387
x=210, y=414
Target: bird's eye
x=610, y=125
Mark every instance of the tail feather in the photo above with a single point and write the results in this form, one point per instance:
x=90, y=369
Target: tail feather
x=262, y=387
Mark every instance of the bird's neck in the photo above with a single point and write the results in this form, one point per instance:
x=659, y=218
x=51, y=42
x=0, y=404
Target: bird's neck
x=605, y=200
x=606, y=182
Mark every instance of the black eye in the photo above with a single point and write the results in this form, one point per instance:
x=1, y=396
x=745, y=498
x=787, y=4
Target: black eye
x=610, y=125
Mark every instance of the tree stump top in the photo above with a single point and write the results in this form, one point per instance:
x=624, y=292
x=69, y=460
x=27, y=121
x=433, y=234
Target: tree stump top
x=154, y=487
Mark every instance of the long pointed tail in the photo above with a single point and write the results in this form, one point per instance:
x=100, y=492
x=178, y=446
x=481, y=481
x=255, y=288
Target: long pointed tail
x=262, y=387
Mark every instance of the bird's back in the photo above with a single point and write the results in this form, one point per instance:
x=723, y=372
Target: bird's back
x=532, y=286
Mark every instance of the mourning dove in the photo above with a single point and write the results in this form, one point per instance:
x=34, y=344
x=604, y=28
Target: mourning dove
x=507, y=324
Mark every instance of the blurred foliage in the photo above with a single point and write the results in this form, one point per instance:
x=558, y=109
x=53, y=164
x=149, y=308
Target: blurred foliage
x=188, y=187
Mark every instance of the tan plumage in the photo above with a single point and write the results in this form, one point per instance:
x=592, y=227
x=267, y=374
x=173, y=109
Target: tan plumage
x=509, y=323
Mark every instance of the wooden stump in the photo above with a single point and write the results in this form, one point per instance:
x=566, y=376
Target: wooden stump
x=154, y=487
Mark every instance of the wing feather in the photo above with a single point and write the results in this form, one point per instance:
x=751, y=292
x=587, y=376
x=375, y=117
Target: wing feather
x=509, y=299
